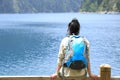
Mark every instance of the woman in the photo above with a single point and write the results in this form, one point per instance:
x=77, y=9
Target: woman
x=73, y=29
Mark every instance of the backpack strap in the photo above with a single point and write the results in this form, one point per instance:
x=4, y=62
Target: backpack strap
x=86, y=49
x=68, y=44
x=84, y=39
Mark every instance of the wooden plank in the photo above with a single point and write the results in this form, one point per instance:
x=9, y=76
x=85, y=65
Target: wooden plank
x=105, y=74
x=39, y=78
x=47, y=78
x=115, y=78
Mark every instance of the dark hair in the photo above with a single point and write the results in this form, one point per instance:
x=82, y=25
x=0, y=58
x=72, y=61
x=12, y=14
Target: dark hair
x=73, y=27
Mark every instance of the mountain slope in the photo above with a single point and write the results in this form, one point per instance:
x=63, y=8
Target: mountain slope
x=30, y=6
x=100, y=5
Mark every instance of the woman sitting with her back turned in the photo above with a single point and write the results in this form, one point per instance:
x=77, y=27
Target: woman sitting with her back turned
x=73, y=29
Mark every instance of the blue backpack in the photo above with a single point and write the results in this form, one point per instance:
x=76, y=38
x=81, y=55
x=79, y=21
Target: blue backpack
x=75, y=53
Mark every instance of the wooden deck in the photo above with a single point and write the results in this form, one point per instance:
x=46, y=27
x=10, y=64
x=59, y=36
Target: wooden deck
x=105, y=74
x=46, y=78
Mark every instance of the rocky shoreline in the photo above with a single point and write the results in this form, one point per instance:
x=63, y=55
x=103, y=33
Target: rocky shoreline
x=102, y=12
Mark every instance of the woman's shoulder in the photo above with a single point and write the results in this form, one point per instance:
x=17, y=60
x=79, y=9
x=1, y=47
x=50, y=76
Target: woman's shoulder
x=64, y=40
x=86, y=40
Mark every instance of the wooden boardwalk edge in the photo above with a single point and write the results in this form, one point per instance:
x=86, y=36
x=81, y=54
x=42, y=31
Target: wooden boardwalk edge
x=105, y=74
x=46, y=78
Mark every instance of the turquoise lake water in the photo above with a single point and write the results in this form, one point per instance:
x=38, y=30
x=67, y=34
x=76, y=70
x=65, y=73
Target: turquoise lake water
x=29, y=43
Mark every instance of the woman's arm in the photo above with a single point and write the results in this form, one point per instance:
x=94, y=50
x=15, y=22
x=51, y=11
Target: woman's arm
x=94, y=77
x=89, y=68
x=59, y=61
x=58, y=69
x=53, y=76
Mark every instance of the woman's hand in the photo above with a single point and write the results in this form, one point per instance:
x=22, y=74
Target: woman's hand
x=53, y=76
x=94, y=77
